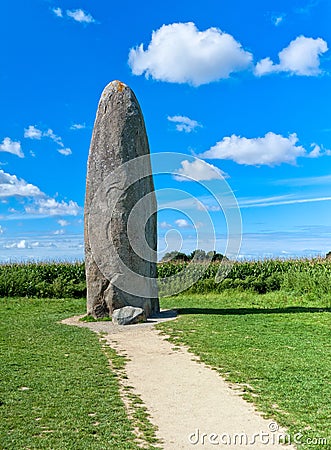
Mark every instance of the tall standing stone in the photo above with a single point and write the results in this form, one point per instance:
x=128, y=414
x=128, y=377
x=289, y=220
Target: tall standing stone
x=120, y=250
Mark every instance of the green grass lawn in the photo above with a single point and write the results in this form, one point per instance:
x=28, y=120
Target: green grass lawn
x=278, y=347
x=57, y=389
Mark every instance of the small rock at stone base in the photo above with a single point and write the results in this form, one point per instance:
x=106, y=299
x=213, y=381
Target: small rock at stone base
x=129, y=315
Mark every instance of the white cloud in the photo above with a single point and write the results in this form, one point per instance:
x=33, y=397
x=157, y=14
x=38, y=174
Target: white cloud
x=180, y=53
x=57, y=139
x=306, y=9
x=204, y=206
x=308, y=181
x=13, y=147
x=46, y=248
x=265, y=66
x=316, y=152
x=182, y=223
x=202, y=203
x=1, y=229
x=278, y=201
x=8, y=245
x=63, y=223
x=57, y=12
x=80, y=16
x=184, y=123
x=58, y=232
x=51, y=207
x=270, y=150
x=165, y=225
x=32, y=132
x=277, y=20
x=65, y=151
x=21, y=244
x=78, y=126
x=198, y=170
x=301, y=57
x=11, y=186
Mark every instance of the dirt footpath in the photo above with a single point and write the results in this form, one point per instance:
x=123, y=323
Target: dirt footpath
x=192, y=406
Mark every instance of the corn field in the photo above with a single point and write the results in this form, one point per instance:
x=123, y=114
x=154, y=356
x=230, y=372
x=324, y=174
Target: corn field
x=46, y=280
x=66, y=280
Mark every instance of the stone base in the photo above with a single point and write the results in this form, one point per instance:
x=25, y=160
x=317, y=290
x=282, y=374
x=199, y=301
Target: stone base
x=129, y=315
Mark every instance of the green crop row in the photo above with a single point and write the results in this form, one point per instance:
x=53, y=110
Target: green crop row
x=47, y=280
x=297, y=275
x=60, y=280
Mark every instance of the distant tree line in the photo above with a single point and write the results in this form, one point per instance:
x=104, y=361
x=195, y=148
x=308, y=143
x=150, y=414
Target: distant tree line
x=199, y=255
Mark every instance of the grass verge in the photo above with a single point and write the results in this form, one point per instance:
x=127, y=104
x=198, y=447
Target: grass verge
x=92, y=319
x=276, y=346
x=57, y=389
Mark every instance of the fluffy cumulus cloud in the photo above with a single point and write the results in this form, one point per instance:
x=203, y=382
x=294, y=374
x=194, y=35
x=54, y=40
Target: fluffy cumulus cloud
x=80, y=16
x=51, y=207
x=180, y=53
x=301, y=57
x=38, y=203
x=182, y=223
x=270, y=150
x=198, y=170
x=184, y=123
x=32, y=132
x=13, y=147
x=22, y=244
x=11, y=186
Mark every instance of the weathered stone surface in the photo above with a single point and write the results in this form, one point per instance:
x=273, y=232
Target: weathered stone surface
x=120, y=209
x=129, y=315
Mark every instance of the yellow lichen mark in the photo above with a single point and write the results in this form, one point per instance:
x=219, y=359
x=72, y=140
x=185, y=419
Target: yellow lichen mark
x=120, y=86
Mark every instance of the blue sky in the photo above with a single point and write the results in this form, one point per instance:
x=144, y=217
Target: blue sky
x=244, y=86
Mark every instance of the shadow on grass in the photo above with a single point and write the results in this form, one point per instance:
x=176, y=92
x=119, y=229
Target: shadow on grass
x=245, y=311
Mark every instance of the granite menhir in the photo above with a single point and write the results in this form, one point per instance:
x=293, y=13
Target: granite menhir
x=120, y=209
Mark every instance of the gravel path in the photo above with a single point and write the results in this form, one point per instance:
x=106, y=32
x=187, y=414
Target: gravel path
x=192, y=406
